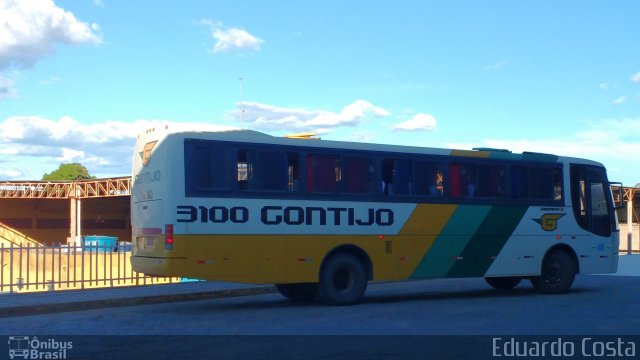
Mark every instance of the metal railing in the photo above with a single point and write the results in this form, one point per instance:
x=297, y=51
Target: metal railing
x=61, y=267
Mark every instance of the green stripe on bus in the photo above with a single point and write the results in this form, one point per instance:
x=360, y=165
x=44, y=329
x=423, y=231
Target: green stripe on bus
x=489, y=239
x=452, y=240
x=506, y=156
x=530, y=156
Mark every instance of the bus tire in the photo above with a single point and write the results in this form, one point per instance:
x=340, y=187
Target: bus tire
x=343, y=280
x=297, y=292
x=504, y=282
x=557, y=275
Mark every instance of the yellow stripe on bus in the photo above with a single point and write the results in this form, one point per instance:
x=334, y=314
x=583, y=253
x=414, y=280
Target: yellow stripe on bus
x=470, y=153
x=429, y=217
x=260, y=258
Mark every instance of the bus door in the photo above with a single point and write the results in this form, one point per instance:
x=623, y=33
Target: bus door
x=594, y=212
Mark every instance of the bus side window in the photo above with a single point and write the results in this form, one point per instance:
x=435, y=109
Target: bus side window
x=545, y=183
x=309, y=165
x=428, y=178
x=491, y=181
x=397, y=177
x=325, y=173
x=270, y=171
x=206, y=168
x=387, y=177
x=589, y=199
x=470, y=176
x=402, y=178
x=243, y=170
x=519, y=182
x=204, y=172
x=579, y=196
x=210, y=168
x=358, y=175
x=262, y=170
x=454, y=180
x=557, y=185
x=463, y=178
x=601, y=221
x=293, y=172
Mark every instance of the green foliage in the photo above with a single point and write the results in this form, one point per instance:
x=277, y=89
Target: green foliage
x=70, y=171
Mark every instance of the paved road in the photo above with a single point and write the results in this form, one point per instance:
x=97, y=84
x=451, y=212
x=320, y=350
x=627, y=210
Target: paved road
x=597, y=305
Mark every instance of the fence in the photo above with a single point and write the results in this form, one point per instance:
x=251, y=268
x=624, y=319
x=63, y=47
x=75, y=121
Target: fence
x=60, y=267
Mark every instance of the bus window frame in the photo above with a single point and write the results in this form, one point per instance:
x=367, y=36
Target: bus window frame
x=377, y=159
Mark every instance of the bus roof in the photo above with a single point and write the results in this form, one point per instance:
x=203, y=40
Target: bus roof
x=225, y=133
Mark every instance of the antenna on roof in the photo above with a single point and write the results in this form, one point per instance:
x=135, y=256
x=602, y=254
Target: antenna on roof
x=241, y=104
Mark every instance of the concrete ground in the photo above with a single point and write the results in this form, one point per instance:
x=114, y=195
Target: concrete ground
x=74, y=300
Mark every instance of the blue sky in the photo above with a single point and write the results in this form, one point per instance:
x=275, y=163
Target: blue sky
x=80, y=78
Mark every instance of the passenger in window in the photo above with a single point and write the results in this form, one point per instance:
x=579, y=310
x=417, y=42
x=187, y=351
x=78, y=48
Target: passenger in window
x=440, y=183
x=387, y=188
x=434, y=188
x=471, y=186
x=388, y=175
x=294, y=185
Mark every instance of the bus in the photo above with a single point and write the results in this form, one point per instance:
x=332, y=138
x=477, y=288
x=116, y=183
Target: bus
x=320, y=219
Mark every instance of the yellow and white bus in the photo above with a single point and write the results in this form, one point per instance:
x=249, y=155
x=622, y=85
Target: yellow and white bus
x=322, y=218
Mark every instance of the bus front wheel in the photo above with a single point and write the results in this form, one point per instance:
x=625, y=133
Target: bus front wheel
x=558, y=273
x=343, y=280
x=297, y=292
x=503, y=283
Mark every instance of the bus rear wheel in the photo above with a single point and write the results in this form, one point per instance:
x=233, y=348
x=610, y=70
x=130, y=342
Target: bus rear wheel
x=297, y=292
x=503, y=283
x=558, y=273
x=343, y=280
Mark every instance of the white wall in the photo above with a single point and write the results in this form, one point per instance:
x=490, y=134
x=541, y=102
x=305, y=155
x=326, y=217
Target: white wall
x=635, y=246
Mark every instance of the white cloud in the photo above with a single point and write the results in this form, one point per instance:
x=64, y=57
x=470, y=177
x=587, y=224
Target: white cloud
x=361, y=136
x=6, y=88
x=620, y=100
x=234, y=39
x=611, y=139
x=70, y=155
x=231, y=39
x=612, y=142
x=636, y=77
x=268, y=117
x=50, y=81
x=10, y=174
x=30, y=29
x=604, y=86
x=419, y=122
x=497, y=66
x=105, y=148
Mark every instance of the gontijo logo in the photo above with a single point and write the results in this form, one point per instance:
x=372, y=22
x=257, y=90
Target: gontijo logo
x=145, y=154
x=549, y=222
x=25, y=347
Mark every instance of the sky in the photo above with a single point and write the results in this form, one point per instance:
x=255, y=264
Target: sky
x=79, y=79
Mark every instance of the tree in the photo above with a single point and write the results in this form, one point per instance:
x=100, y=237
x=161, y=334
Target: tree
x=70, y=171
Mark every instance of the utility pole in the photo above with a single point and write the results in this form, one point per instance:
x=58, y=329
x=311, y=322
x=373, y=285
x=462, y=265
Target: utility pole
x=241, y=103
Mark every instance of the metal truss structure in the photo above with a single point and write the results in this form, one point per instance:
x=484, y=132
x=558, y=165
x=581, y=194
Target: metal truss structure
x=80, y=189
x=630, y=193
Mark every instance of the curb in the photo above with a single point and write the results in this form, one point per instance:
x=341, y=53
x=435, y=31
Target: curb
x=39, y=309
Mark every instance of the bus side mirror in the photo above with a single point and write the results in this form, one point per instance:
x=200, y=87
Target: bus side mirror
x=618, y=195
